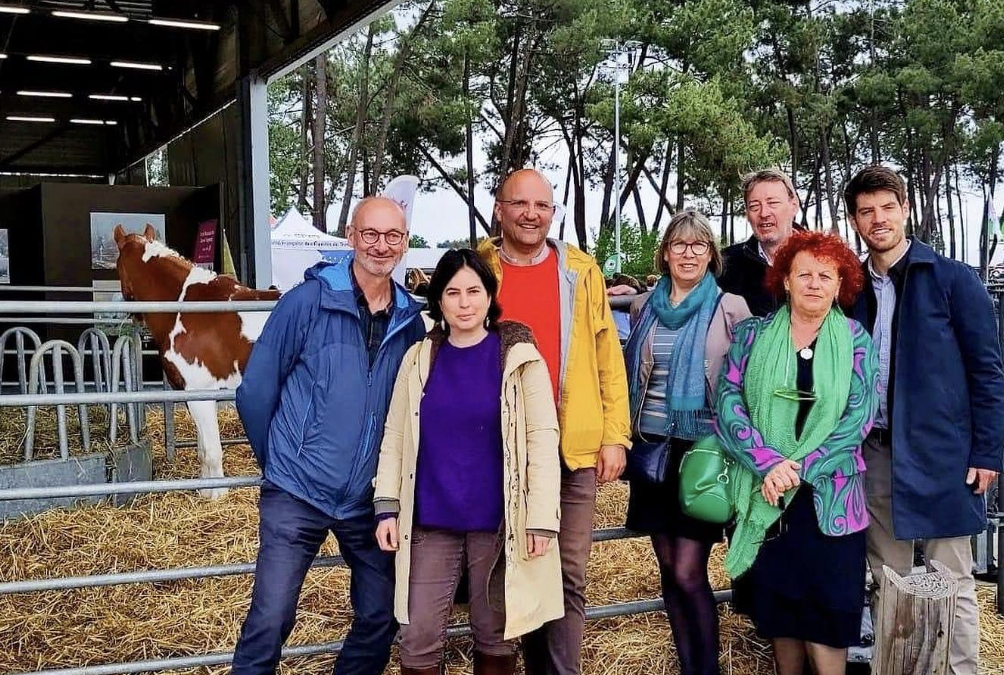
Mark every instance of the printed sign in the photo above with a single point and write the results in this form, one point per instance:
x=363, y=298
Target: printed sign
x=205, y=245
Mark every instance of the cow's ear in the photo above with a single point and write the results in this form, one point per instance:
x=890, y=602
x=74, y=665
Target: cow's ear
x=149, y=232
x=119, y=234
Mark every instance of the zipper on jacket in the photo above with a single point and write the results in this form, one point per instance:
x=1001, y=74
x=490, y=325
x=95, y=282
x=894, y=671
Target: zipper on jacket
x=562, y=368
x=362, y=455
x=303, y=424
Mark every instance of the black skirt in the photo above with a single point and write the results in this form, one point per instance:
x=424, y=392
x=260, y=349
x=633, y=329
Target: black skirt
x=804, y=584
x=654, y=508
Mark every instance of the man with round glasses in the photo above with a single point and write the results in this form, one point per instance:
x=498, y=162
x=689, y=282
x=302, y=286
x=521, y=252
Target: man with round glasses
x=771, y=207
x=559, y=292
x=313, y=401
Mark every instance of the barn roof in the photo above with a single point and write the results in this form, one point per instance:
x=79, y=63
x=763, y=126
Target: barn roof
x=92, y=86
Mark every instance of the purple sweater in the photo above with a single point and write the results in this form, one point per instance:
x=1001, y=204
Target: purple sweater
x=459, y=481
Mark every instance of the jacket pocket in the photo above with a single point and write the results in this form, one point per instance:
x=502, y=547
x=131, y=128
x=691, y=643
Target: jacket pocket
x=356, y=486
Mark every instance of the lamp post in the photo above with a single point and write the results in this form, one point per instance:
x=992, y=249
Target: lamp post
x=615, y=49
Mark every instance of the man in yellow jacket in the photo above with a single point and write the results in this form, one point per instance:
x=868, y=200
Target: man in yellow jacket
x=558, y=291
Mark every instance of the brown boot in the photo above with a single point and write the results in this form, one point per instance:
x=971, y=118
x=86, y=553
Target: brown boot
x=490, y=664
x=431, y=670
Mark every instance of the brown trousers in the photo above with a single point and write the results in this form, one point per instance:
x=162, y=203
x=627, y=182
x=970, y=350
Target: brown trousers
x=955, y=553
x=556, y=647
x=437, y=564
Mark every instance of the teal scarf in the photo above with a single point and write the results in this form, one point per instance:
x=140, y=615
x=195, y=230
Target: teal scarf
x=773, y=367
x=687, y=408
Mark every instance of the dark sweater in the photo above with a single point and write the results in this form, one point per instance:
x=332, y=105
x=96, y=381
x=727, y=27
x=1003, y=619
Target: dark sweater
x=458, y=485
x=744, y=275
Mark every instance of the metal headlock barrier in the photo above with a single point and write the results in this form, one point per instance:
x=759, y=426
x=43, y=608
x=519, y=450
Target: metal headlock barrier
x=168, y=398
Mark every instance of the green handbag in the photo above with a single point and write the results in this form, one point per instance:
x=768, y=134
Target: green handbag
x=705, y=477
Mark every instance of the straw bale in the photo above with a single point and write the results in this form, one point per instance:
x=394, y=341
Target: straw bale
x=142, y=621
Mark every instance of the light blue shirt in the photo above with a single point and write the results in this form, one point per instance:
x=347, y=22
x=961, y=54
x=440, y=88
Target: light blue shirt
x=885, y=296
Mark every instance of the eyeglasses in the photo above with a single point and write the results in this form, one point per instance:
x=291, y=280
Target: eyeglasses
x=521, y=205
x=392, y=237
x=697, y=247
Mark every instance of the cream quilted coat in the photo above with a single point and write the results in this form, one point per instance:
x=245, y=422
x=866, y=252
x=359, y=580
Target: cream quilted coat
x=532, y=474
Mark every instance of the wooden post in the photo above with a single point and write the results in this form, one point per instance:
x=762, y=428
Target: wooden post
x=916, y=615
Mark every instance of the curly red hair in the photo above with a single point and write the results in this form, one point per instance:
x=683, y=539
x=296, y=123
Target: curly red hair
x=824, y=247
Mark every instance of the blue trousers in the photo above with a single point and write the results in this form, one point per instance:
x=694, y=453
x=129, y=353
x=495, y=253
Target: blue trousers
x=290, y=534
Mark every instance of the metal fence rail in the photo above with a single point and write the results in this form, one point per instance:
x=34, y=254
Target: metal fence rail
x=223, y=658
x=132, y=307
x=188, y=573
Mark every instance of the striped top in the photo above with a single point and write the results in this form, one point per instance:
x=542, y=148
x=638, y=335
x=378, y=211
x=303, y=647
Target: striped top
x=653, y=418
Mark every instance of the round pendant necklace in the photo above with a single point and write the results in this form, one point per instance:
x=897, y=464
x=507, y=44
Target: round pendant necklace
x=805, y=353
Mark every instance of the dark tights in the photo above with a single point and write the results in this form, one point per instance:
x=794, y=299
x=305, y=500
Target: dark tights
x=690, y=602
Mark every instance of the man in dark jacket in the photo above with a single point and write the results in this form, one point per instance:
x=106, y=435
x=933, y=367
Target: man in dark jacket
x=771, y=206
x=313, y=400
x=938, y=435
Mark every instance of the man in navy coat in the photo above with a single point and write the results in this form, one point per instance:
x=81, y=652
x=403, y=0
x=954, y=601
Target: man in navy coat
x=938, y=435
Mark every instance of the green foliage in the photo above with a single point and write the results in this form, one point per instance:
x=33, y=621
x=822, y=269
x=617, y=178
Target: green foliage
x=459, y=243
x=418, y=241
x=637, y=249
x=716, y=88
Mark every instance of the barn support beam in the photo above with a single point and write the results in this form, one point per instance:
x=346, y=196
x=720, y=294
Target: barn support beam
x=254, y=247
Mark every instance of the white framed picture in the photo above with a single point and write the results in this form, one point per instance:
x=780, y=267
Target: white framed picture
x=104, y=252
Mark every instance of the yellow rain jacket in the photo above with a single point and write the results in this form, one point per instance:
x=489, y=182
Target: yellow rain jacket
x=592, y=384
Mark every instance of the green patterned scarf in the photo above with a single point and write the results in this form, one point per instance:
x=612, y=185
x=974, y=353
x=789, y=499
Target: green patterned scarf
x=773, y=367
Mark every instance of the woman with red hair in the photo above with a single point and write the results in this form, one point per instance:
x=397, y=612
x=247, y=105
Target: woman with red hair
x=796, y=398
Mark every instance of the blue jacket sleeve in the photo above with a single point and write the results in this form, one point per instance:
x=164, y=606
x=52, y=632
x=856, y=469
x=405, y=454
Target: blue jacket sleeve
x=976, y=331
x=272, y=359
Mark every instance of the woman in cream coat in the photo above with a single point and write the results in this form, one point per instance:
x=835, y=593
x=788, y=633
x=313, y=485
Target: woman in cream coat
x=469, y=471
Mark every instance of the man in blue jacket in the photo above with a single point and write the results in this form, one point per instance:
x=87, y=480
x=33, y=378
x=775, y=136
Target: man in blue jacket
x=938, y=435
x=313, y=400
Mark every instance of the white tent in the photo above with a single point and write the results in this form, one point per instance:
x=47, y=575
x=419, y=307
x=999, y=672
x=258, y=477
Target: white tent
x=297, y=245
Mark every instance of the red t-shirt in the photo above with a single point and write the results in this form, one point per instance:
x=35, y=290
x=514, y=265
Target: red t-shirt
x=529, y=294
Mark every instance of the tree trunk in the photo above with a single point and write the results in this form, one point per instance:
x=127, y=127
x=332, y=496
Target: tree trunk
x=925, y=603
x=725, y=213
x=951, y=213
x=805, y=205
x=472, y=210
x=927, y=222
x=357, y=131
x=911, y=183
x=515, y=113
x=608, y=186
x=639, y=209
x=404, y=50
x=963, y=236
x=663, y=186
x=320, y=116
x=445, y=175
x=681, y=181
x=579, y=183
x=987, y=247
x=306, y=115
x=564, y=199
x=830, y=196
x=793, y=142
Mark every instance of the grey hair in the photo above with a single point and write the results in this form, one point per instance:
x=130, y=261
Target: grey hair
x=751, y=180
x=692, y=222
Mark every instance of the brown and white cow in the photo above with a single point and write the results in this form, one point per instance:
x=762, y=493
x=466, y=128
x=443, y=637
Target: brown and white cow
x=197, y=350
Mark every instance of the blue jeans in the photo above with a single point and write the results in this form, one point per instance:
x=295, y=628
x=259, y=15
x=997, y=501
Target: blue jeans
x=290, y=534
